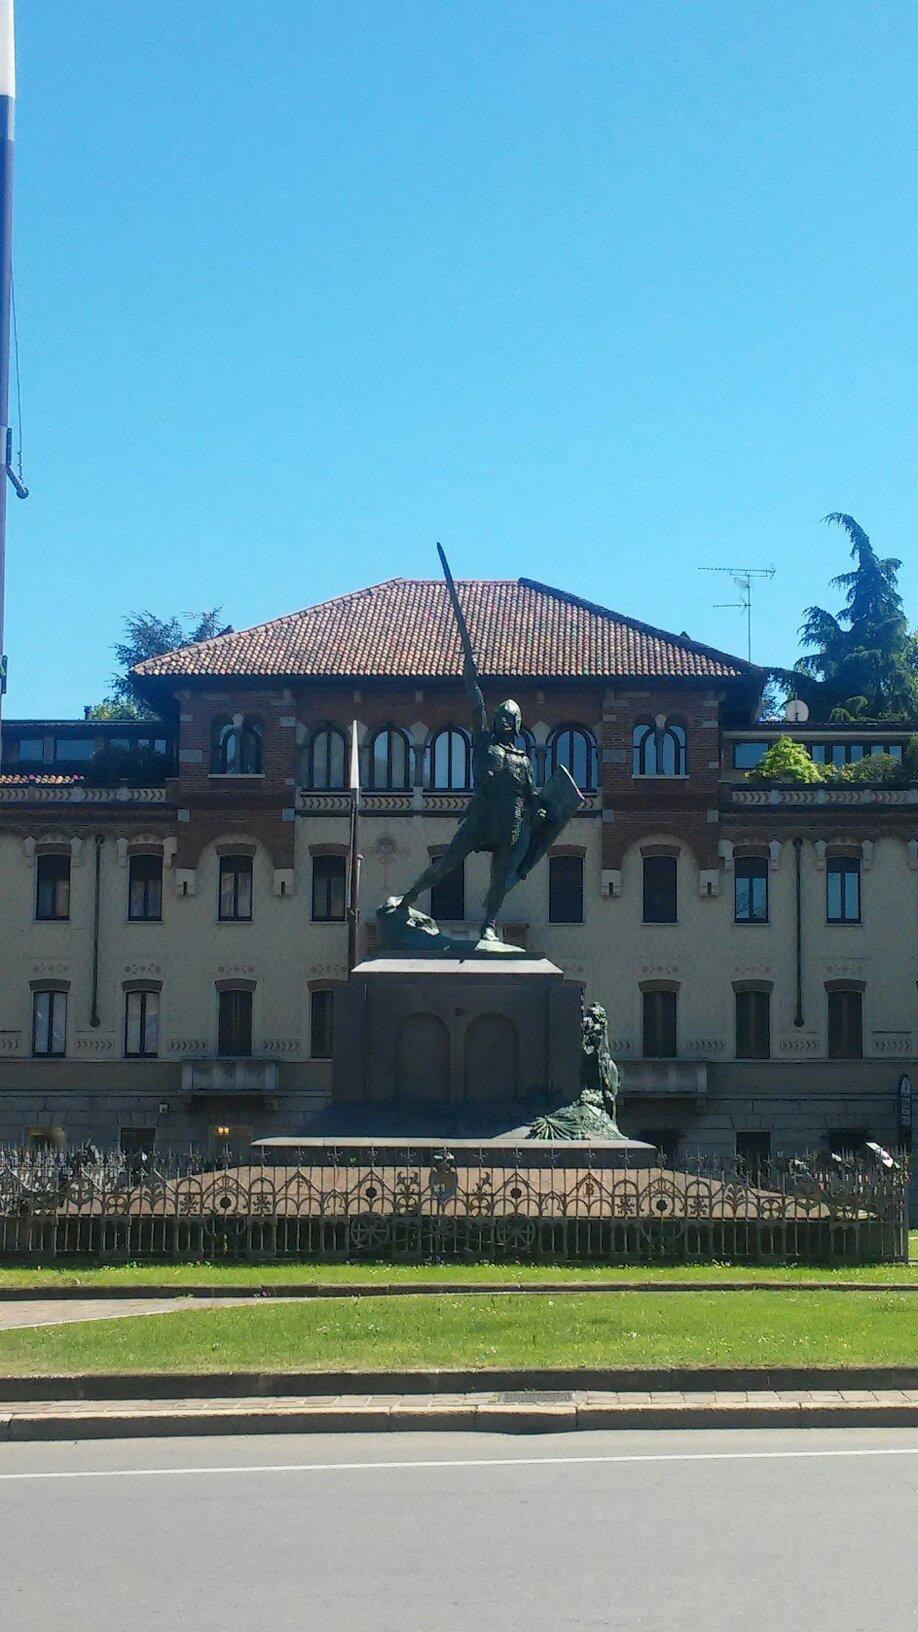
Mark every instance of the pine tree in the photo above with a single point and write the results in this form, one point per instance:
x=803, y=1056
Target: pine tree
x=146, y=635
x=864, y=662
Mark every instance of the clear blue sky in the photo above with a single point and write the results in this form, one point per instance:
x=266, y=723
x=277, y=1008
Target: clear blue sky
x=597, y=293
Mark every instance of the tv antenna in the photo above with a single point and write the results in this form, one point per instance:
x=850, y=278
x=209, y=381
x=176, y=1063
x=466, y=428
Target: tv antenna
x=743, y=577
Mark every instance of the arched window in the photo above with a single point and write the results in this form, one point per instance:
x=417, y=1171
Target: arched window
x=449, y=761
x=389, y=761
x=325, y=760
x=573, y=748
x=658, y=750
x=526, y=741
x=236, y=749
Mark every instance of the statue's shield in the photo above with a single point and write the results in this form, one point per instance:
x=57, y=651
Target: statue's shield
x=559, y=798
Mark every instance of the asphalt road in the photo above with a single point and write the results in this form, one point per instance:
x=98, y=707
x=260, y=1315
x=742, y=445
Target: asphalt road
x=776, y=1532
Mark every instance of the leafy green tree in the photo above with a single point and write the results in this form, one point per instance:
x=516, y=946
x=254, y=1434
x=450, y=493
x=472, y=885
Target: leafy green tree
x=863, y=664
x=785, y=761
x=148, y=636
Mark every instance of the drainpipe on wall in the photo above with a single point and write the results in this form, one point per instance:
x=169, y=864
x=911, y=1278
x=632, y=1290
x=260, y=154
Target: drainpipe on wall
x=798, y=891
x=94, y=1019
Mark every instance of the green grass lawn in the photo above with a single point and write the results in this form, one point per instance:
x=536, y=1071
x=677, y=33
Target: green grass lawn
x=224, y=1275
x=748, y=1328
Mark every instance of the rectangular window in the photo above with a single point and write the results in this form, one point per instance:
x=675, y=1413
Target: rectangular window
x=234, y=1037
x=659, y=889
x=843, y=890
x=141, y=1025
x=659, y=1025
x=138, y=1146
x=235, y=888
x=750, y=890
x=328, y=888
x=321, y=1022
x=565, y=889
x=753, y=1153
x=667, y=1142
x=73, y=750
x=747, y=754
x=145, y=890
x=49, y=1024
x=30, y=750
x=848, y=1142
x=753, y=1025
x=447, y=897
x=52, y=899
x=846, y=1026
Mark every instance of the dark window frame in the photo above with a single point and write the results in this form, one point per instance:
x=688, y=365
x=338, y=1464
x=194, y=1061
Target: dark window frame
x=321, y=1023
x=235, y=867
x=323, y=772
x=458, y=744
x=236, y=750
x=565, y=737
x=329, y=877
x=845, y=1023
x=750, y=869
x=143, y=996
x=447, y=894
x=752, y=1152
x=58, y=998
x=46, y=864
x=235, y=1004
x=740, y=762
x=390, y=781
x=647, y=738
x=659, y=1024
x=151, y=885
x=752, y=1016
x=842, y=867
x=565, y=894
x=651, y=890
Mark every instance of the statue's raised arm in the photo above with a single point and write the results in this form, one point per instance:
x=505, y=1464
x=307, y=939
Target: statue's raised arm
x=469, y=670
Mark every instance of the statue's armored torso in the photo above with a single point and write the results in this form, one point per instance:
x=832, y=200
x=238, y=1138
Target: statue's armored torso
x=503, y=791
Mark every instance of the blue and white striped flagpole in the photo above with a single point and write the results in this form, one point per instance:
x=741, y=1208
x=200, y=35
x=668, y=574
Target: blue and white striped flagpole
x=7, y=120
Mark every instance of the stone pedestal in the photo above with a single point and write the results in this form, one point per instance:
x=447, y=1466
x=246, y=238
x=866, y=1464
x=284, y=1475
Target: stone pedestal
x=457, y=1033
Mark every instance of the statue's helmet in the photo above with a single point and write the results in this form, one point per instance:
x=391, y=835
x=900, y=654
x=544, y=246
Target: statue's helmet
x=509, y=710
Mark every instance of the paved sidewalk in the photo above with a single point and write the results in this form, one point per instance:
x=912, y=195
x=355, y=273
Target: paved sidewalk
x=503, y=1412
x=57, y=1311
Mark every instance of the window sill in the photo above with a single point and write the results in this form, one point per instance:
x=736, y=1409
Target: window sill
x=235, y=776
x=655, y=776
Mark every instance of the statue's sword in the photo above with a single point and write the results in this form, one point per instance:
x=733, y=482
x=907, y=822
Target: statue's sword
x=457, y=611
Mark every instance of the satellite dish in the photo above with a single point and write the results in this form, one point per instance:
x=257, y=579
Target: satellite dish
x=796, y=711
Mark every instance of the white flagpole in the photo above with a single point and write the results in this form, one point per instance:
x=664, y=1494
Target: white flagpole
x=353, y=910
x=7, y=120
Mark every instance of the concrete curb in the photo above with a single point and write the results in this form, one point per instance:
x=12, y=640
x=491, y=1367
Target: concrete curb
x=280, y=1385
x=426, y=1289
x=294, y=1417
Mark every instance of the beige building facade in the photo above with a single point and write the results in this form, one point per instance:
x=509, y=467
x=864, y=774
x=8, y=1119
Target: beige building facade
x=170, y=948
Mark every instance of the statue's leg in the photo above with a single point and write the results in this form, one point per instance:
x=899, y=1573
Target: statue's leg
x=497, y=889
x=463, y=842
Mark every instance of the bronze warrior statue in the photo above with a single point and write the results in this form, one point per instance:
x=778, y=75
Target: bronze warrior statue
x=506, y=815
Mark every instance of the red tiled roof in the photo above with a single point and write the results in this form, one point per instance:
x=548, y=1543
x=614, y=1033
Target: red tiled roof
x=405, y=626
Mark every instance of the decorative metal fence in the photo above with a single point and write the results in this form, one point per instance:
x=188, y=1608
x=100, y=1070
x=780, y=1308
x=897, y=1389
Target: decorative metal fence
x=417, y=1203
